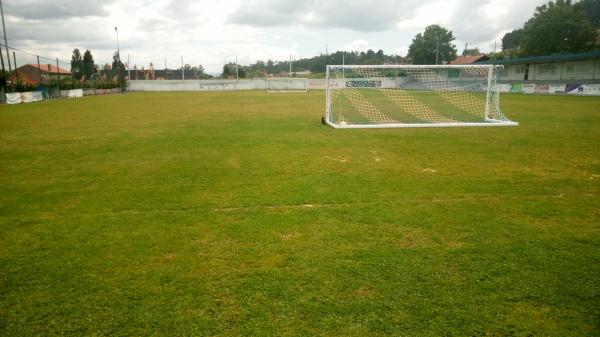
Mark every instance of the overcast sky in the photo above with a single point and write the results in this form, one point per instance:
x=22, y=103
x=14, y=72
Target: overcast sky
x=213, y=32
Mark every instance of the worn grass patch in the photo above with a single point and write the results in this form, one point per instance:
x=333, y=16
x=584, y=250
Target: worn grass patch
x=237, y=213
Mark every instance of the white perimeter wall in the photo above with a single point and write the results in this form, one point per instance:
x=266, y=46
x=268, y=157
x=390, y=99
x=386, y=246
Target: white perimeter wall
x=208, y=85
x=253, y=84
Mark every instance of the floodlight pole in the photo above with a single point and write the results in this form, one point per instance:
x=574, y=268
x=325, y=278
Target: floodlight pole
x=5, y=41
x=118, y=51
x=16, y=71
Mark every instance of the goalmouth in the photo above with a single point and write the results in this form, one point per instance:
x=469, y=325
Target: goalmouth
x=397, y=96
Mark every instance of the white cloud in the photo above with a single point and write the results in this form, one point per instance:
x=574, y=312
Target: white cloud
x=402, y=51
x=358, y=45
x=213, y=32
x=357, y=15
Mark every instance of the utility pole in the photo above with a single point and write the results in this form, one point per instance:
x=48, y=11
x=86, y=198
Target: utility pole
x=182, y=74
x=16, y=71
x=5, y=41
x=290, y=74
x=39, y=69
x=57, y=76
x=237, y=70
x=2, y=59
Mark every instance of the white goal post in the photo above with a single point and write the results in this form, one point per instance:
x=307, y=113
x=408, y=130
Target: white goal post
x=395, y=96
x=287, y=84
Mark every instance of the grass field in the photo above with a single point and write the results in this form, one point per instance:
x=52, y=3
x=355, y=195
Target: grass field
x=238, y=213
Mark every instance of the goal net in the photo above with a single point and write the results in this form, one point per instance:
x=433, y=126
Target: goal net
x=287, y=84
x=389, y=96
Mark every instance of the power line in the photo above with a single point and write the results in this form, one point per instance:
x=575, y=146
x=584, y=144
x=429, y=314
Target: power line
x=33, y=54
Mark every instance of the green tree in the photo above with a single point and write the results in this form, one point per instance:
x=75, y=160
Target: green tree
x=76, y=64
x=118, y=69
x=591, y=10
x=227, y=71
x=434, y=41
x=512, y=40
x=557, y=27
x=88, y=64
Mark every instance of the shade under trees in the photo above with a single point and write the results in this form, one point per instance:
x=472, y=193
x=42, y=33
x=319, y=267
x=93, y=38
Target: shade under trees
x=433, y=46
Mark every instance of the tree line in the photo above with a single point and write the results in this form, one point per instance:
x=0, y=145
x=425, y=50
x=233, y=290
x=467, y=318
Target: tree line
x=315, y=65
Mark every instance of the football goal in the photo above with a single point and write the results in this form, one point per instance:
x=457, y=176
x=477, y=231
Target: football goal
x=394, y=96
x=287, y=84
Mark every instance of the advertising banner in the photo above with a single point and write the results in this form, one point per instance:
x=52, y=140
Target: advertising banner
x=504, y=87
x=556, y=88
x=542, y=88
x=583, y=89
x=528, y=88
x=31, y=96
x=316, y=84
x=515, y=87
x=13, y=98
x=591, y=89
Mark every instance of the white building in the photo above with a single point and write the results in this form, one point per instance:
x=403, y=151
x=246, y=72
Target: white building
x=564, y=68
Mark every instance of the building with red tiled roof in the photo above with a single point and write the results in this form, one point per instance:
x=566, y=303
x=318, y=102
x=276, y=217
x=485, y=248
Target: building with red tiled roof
x=32, y=74
x=469, y=59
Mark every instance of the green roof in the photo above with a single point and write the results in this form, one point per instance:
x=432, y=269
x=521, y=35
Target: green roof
x=547, y=58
